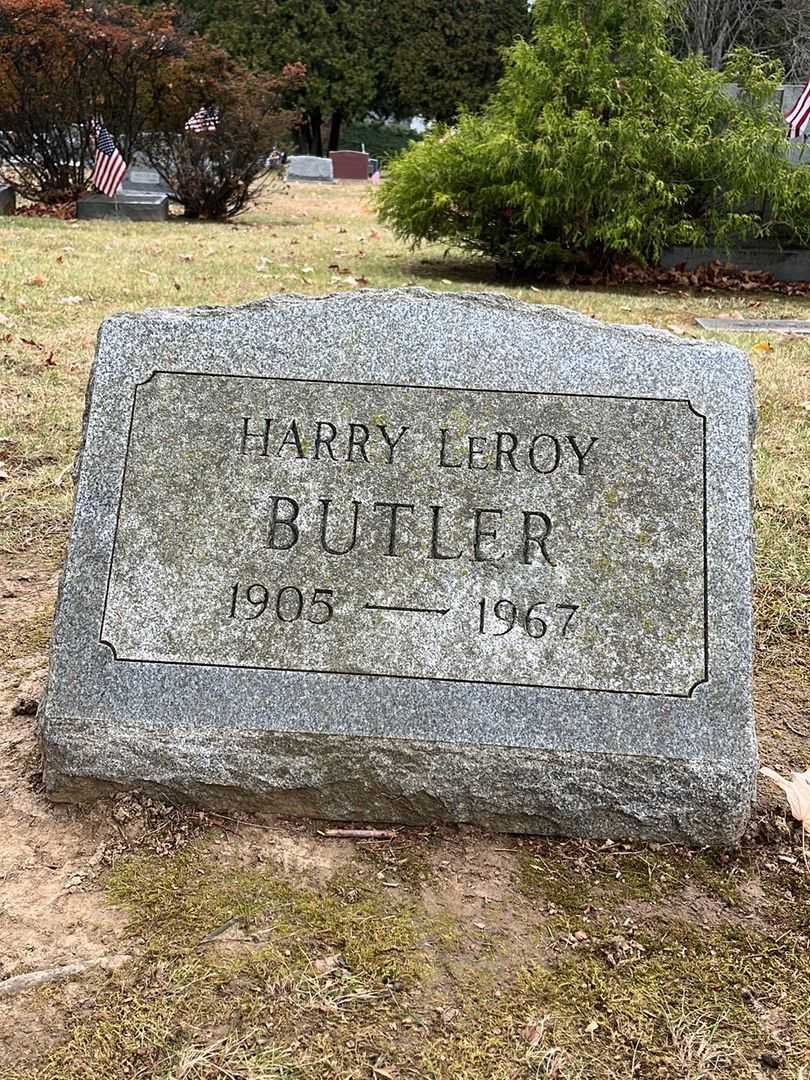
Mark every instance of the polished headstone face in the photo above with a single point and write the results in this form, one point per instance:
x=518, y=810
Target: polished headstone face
x=396, y=555
x=350, y=164
x=140, y=179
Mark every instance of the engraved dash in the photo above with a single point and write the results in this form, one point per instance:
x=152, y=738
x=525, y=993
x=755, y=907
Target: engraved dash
x=419, y=610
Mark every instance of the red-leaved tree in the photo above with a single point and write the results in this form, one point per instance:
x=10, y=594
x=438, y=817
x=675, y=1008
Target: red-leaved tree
x=61, y=67
x=216, y=173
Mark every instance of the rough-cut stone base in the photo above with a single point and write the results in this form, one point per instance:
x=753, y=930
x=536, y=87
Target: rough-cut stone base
x=129, y=205
x=531, y=791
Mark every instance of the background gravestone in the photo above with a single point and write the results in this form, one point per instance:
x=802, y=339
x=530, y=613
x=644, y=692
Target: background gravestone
x=142, y=180
x=8, y=199
x=349, y=164
x=310, y=168
x=399, y=555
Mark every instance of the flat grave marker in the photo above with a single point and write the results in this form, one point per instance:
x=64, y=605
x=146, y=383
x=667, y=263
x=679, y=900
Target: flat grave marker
x=757, y=326
x=400, y=555
x=130, y=205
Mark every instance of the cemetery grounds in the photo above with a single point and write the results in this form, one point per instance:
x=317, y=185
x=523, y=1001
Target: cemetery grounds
x=249, y=947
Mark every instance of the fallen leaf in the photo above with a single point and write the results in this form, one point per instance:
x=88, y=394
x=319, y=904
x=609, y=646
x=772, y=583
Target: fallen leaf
x=185, y=257
x=763, y=347
x=3, y=474
x=533, y=1031
x=176, y=284
x=446, y=281
x=70, y=300
x=797, y=790
x=37, y=279
x=307, y=270
x=327, y=964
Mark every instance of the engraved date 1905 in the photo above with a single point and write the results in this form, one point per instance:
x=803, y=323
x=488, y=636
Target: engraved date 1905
x=289, y=604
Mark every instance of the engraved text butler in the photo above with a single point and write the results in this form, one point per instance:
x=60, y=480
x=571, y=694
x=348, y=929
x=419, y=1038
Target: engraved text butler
x=421, y=532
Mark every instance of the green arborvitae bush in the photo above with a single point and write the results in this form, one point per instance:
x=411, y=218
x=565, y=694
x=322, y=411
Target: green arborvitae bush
x=599, y=145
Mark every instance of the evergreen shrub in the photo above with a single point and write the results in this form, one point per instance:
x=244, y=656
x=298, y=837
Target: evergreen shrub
x=599, y=145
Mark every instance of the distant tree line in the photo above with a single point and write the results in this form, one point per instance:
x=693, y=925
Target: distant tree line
x=392, y=58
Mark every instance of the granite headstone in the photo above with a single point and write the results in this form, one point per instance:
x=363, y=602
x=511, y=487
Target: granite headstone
x=8, y=199
x=402, y=555
x=349, y=164
x=310, y=168
x=143, y=180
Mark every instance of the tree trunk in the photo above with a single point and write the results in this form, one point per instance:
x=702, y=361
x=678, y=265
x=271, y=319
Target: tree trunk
x=310, y=137
x=316, y=130
x=334, y=130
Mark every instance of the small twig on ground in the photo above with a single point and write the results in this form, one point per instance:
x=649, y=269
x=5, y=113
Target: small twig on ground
x=238, y=821
x=801, y=734
x=237, y=920
x=31, y=979
x=359, y=834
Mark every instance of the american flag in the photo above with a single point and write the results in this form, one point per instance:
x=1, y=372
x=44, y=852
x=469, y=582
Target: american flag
x=798, y=119
x=110, y=168
x=204, y=119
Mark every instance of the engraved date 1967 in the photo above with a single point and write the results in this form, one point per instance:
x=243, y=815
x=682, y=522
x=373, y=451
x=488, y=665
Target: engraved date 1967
x=496, y=618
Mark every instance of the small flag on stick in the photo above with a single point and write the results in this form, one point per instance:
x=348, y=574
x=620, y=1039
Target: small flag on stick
x=204, y=119
x=110, y=168
x=798, y=118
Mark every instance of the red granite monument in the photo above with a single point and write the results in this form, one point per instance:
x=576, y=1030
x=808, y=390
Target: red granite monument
x=349, y=164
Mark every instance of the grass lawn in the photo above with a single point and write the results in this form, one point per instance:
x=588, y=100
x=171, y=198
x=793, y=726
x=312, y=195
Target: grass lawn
x=257, y=948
